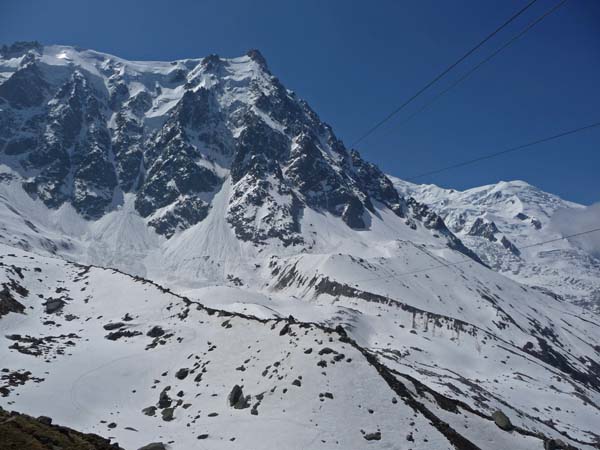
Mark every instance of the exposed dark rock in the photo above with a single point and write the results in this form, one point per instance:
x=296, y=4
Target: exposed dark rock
x=557, y=444
x=353, y=214
x=113, y=326
x=31, y=345
x=484, y=229
x=19, y=431
x=25, y=88
x=376, y=185
x=186, y=211
x=376, y=436
x=326, y=351
x=164, y=401
x=434, y=222
x=54, y=305
x=237, y=399
x=284, y=330
x=115, y=335
x=257, y=56
x=8, y=303
x=154, y=446
x=549, y=354
x=182, y=373
x=73, y=159
x=502, y=420
x=20, y=145
x=510, y=246
x=149, y=411
x=20, y=48
x=45, y=420
x=155, y=331
x=168, y=414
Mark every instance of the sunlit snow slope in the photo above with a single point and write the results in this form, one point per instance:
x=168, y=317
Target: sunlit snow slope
x=349, y=312
x=502, y=222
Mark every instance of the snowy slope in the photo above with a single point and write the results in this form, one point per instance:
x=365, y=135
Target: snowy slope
x=462, y=331
x=522, y=214
x=297, y=376
x=210, y=178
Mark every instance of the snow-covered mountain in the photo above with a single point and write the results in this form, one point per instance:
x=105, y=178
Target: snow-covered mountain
x=280, y=261
x=503, y=221
x=205, y=143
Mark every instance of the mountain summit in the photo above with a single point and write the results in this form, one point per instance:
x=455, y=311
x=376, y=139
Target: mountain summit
x=87, y=128
x=92, y=131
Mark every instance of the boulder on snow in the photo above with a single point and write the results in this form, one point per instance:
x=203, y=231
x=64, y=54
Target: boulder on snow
x=149, y=411
x=116, y=335
x=236, y=398
x=168, y=414
x=376, y=436
x=54, y=305
x=555, y=444
x=155, y=331
x=113, y=326
x=164, y=401
x=154, y=446
x=182, y=373
x=502, y=420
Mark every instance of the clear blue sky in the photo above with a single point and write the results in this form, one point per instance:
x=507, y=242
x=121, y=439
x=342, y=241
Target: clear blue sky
x=355, y=61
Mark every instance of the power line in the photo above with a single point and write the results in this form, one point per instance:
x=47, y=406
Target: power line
x=503, y=152
x=562, y=238
x=427, y=269
x=444, y=72
x=480, y=64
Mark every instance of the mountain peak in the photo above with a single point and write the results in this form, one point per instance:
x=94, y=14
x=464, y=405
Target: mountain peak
x=514, y=185
x=257, y=56
x=183, y=129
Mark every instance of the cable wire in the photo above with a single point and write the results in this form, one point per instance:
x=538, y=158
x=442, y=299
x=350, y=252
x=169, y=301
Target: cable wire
x=503, y=152
x=444, y=72
x=479, y=65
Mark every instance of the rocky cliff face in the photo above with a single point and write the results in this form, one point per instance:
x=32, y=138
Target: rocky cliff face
x=85, y=128
x=20, y=431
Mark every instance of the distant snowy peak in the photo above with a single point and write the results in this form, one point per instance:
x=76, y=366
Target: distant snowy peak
x=514, y=207
x=499, y=220
x=85, y=128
